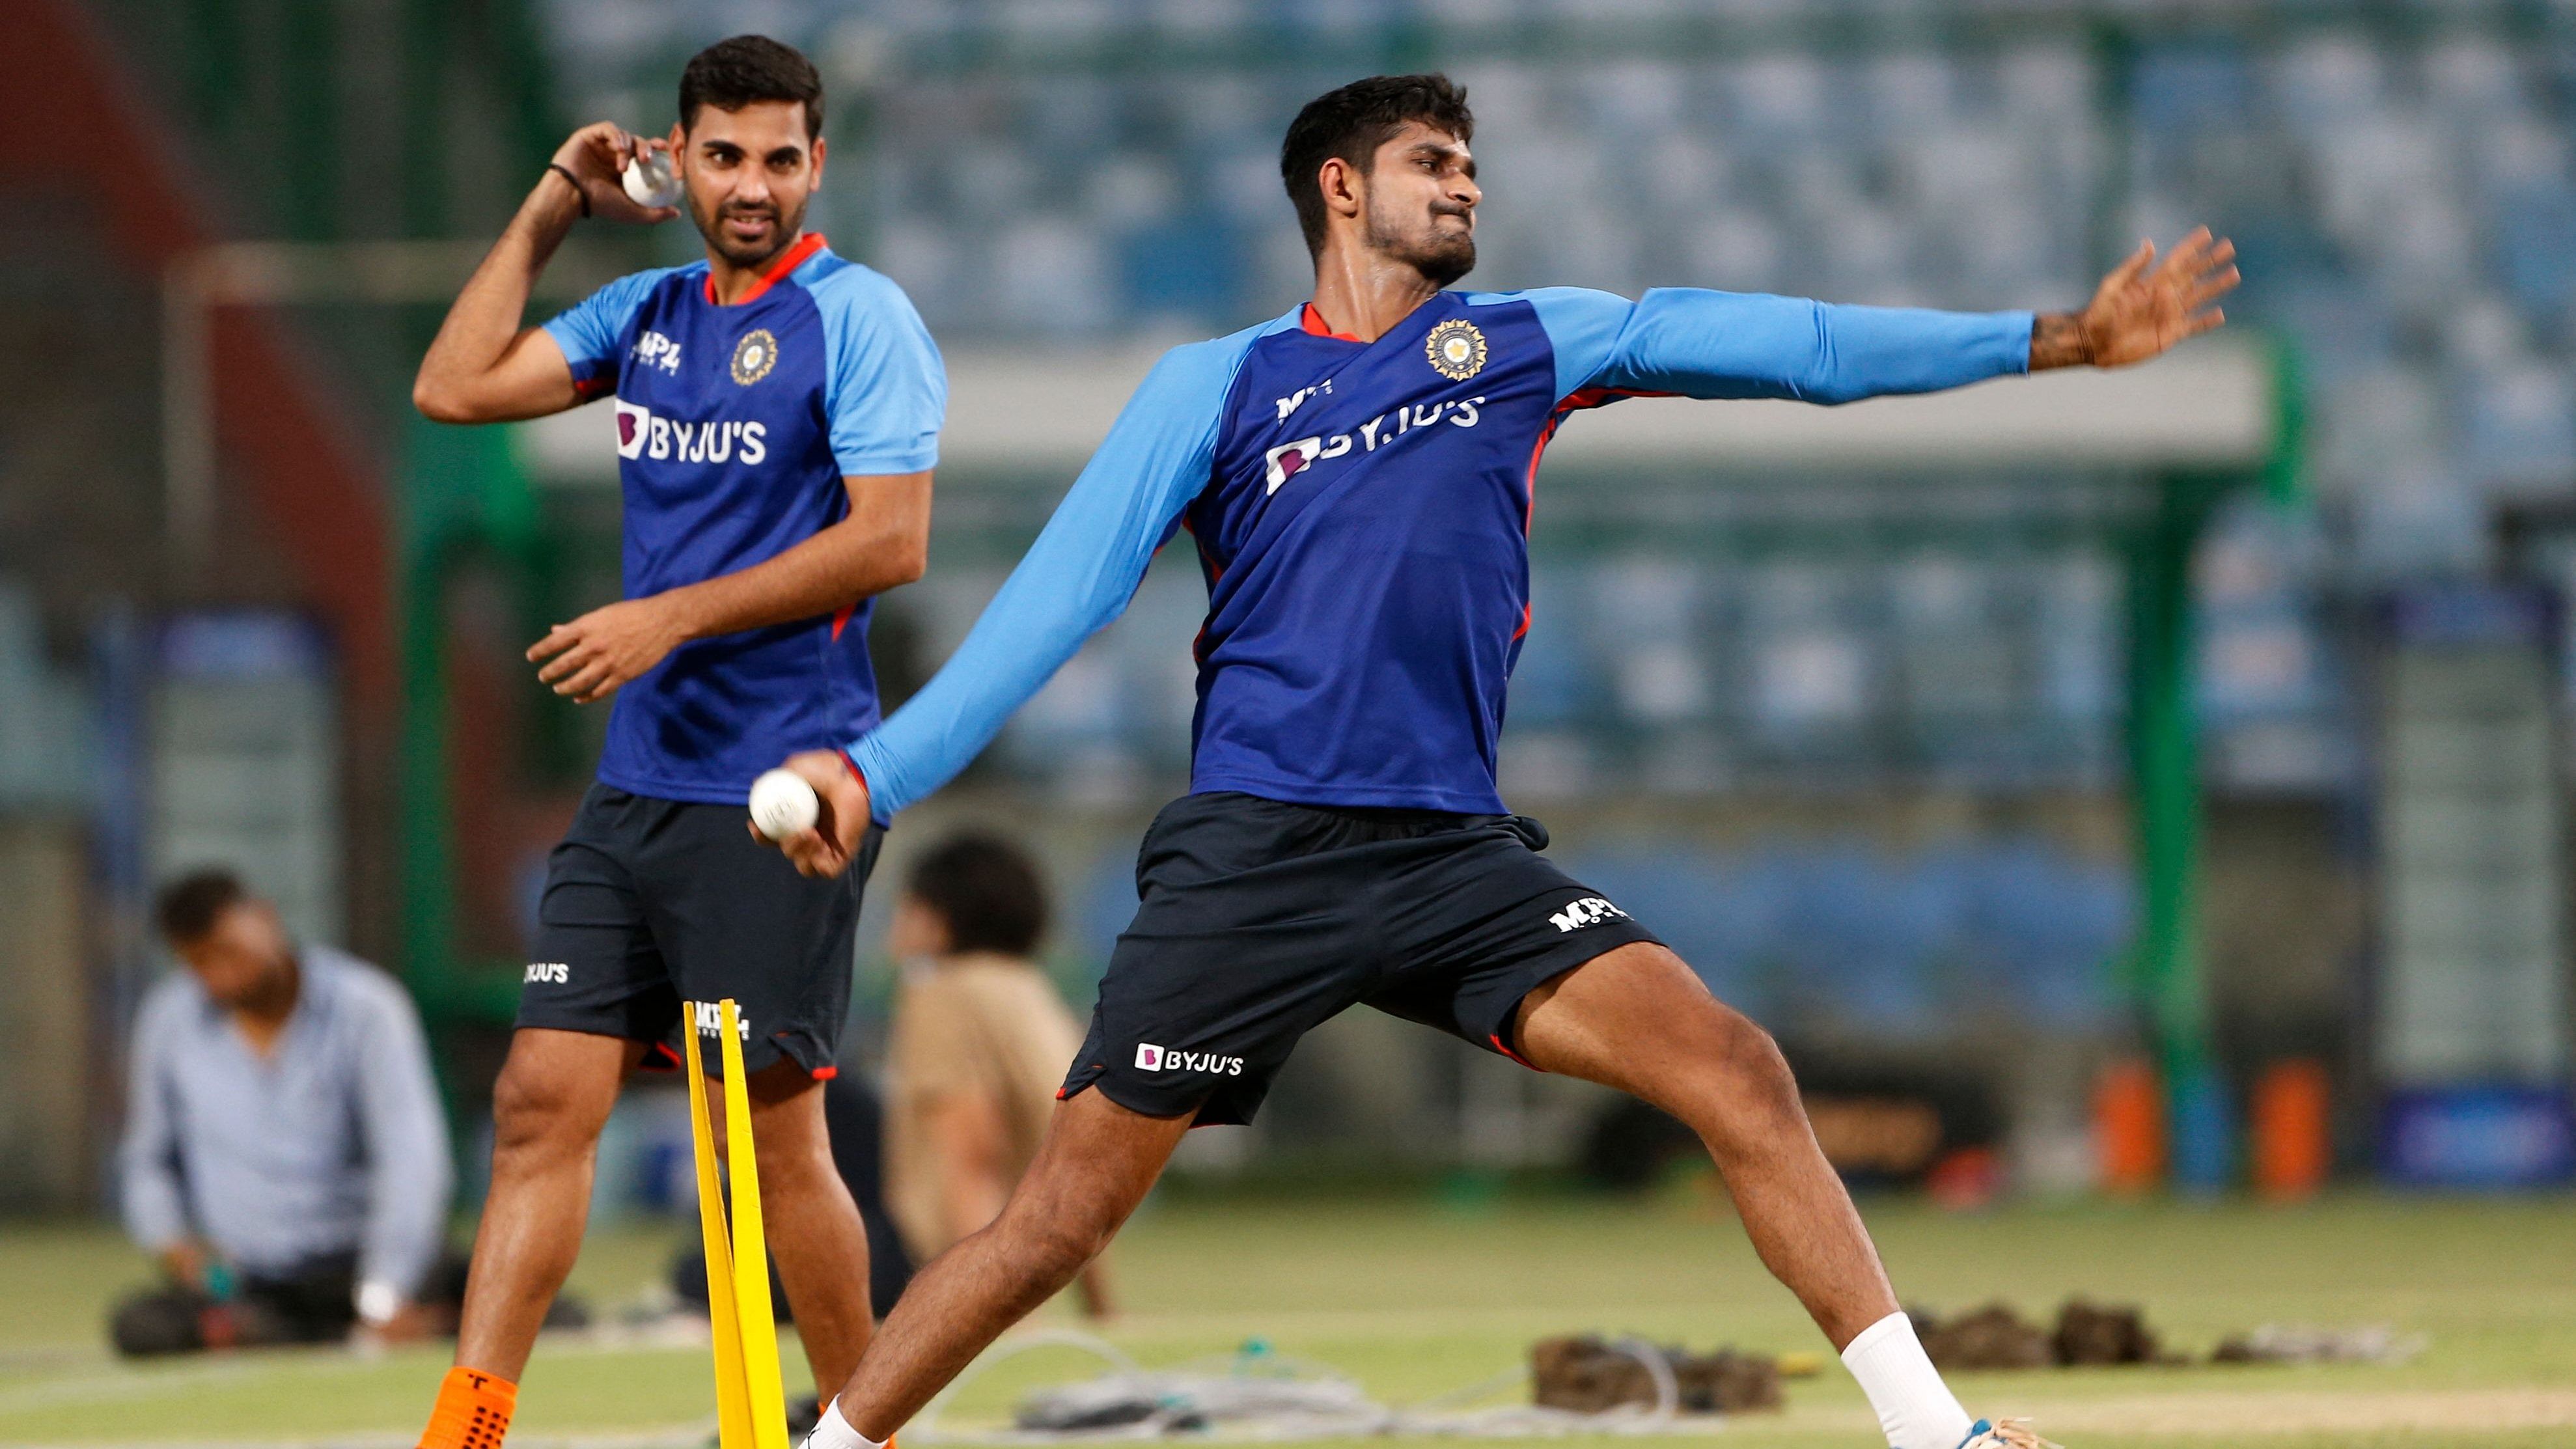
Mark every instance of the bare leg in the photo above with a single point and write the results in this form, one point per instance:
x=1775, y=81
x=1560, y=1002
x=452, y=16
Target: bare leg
x=1639, y=1020
x=812, y=1225
x=1096, y=1164
x=554, y=1094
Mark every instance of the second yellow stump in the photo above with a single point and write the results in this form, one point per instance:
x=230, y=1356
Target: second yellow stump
x=751, y=1400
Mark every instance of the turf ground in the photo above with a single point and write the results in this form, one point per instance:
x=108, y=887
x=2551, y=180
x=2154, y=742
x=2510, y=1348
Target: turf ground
x=1415, y=1298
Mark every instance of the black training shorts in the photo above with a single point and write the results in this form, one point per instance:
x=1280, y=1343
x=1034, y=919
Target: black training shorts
x=652, y=902
x=1259, y=921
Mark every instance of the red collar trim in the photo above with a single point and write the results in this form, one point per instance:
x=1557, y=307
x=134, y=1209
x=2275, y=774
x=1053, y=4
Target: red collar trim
x=1313, y=322
x=788, y=261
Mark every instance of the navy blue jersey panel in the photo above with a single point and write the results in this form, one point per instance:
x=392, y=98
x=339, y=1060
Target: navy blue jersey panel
x=733, y=422
x=1365, y=533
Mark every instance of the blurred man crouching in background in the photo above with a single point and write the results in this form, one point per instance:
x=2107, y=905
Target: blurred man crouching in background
x=980, y=1042
x=285, y=1157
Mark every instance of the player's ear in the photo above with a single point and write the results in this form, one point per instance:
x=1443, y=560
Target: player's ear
x=679, y=143
x=822, y=148
x=1340, y=182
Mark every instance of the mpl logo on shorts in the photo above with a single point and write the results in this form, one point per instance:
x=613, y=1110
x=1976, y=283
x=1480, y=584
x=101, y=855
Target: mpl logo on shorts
x=1589, y=911
x=1154, y=1059
x=710, y=1017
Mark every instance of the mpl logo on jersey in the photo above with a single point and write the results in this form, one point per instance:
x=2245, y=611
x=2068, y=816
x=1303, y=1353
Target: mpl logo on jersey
x=641, y=433
x=1589, y=911
x=1151, y=1058
x=655, y=350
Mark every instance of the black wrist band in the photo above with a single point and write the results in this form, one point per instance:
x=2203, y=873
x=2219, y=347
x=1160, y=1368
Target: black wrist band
x=579, y=191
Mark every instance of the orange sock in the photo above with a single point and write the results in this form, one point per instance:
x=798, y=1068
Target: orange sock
x=472, y=1412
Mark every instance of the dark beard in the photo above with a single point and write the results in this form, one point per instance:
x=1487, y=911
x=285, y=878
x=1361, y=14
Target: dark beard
x=1444, y=260
x=712, y=228
x=1441, y=258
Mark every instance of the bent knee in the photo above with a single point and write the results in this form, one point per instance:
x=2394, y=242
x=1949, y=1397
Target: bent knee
x=534, y=1107
x=1053, y=1240
x=1737, y=1069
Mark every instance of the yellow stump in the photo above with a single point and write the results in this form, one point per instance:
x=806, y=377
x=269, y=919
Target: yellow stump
x=751, y=1402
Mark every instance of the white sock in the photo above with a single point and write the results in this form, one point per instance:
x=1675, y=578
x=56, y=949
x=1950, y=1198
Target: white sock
x=1915, y=1409
x=834, y=1432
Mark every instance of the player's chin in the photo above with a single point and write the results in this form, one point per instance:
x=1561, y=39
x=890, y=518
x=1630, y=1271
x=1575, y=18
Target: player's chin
x=1445, y=259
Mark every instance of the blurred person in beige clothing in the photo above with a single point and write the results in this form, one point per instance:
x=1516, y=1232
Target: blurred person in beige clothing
x=981, y=1040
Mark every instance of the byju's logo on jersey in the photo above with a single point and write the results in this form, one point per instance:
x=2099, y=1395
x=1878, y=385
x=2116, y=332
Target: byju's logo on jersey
x=754, y=356
x=1456, y=350
x=1154, y=1059
x=542, y=973
x=1281, y=463
x=641, y=434
x=1589, y=911
x=655, y=350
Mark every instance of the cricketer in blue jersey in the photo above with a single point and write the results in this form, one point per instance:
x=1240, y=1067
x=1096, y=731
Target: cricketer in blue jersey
x=1358, y=475
x=777, y=413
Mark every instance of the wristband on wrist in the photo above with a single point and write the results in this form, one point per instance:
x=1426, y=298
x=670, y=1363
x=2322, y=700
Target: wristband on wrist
x=580, y=192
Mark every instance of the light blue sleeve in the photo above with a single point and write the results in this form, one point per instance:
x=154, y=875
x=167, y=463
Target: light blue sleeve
x=591, y=330
x=1744, y=345
x=150, y=1186
x=408, y=1177
x=884, y=388
x=1077, y=577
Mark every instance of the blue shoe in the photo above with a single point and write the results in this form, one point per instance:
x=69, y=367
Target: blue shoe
x=2004, y=1434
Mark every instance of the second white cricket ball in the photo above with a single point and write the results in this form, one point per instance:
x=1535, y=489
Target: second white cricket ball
x=782, y=804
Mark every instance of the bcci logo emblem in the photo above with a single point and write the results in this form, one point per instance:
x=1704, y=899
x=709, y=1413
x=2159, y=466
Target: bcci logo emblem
x=757, y=352
x=1456, y=349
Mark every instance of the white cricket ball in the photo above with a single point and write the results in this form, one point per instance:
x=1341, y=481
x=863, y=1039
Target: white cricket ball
x=782, y=804
x=652, y=180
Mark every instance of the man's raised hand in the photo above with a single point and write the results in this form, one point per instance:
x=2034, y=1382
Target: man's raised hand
x=2143, y=308
x=828, y=848
x=597, y=155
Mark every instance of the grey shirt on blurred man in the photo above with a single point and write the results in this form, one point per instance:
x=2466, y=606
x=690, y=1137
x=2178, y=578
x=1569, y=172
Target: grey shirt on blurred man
x=332, y=1144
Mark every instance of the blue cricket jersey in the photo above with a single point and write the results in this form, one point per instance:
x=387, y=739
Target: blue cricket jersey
x=1362, y=513
x=735, y=426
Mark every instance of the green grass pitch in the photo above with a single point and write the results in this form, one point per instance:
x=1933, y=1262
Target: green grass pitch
x=1415, y=1298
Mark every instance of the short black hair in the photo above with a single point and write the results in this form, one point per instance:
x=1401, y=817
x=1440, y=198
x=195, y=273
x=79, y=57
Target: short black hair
x=732, y=74
x=188, y=907
x=1351, y=123
x=986, y=890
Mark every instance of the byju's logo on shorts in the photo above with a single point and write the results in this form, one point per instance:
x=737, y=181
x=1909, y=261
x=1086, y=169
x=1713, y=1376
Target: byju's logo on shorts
x=1589, y=911
x=541, y=972
x=1154, y=1059
x=710, y=1017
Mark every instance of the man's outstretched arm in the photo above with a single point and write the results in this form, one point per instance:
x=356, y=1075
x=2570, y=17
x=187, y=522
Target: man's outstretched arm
x=1708, y=344
x=1077, y=577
